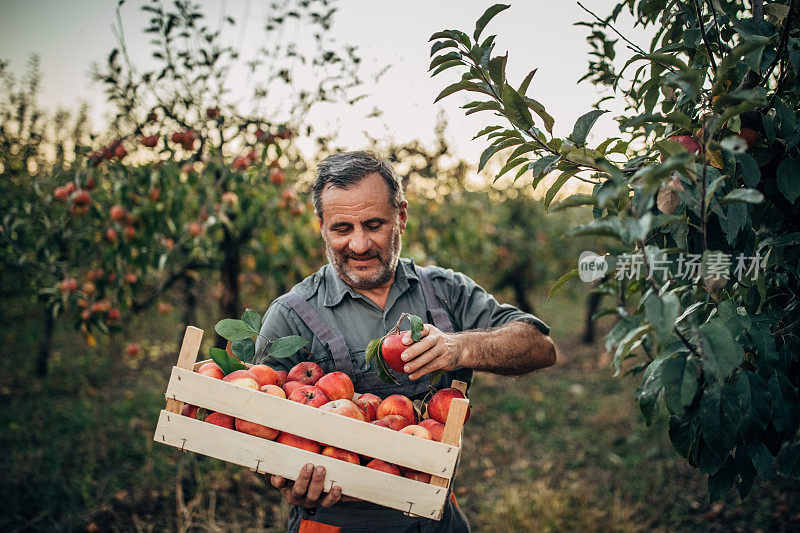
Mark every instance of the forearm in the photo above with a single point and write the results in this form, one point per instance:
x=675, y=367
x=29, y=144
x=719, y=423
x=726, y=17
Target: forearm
x=514, y=348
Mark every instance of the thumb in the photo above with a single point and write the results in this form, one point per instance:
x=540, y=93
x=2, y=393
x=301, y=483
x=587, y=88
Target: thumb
x=277, y=481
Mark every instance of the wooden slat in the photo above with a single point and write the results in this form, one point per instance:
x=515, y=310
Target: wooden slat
x=459, y=385
x=413, y=497
x=190, y=347
x=452, y=431
x=323, y=426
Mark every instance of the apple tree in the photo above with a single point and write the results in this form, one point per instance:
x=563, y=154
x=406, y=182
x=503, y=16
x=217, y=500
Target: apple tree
x=699, y=193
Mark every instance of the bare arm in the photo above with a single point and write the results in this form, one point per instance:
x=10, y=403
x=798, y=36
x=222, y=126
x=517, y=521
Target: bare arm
x=514, y=348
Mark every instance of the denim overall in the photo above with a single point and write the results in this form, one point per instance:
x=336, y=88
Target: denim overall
x=362, y=516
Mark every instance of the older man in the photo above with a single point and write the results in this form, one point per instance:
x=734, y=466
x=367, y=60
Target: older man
x=358, y=297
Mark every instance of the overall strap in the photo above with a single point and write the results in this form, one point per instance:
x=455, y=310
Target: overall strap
x=335, y=343
x=439, y=316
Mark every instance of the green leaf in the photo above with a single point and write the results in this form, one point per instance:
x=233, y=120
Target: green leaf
x=416, y=327
x=485, y=106
x=544, y=115
x=252, y=319
x=383, y=371
x=576, y=200
x=449, y=56
x=755, y=403
x=286, y=346
x=721, y=354
x=440, y=45
x=556, y=186
x=538, y=167
x=651, y=390
x=750, y=172
x=373, y=349
x=720, y=483
x=446, y=65
x=680, y=378
x=227, y=363
x=631, y=341
x=487, y=154
x=719, y=416
x=750, y=196
x=244, y=350
x=435, y=377
x=450, y=89
x=516, y=108
x=682, y=435
x=523, y=87
x=763, y=461
x=488, y=15
x=662, y=313
x=583, y=125
x=789, y=178
x=497, y=69
x=786, y=405
x=234, y=330
x=486, y=131
x=561, y=281
x=789, y=461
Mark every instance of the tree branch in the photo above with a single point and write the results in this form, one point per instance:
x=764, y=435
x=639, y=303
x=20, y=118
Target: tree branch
x=705, y=37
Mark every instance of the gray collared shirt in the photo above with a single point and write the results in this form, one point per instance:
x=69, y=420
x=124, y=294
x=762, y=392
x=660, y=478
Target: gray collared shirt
x=360, y=320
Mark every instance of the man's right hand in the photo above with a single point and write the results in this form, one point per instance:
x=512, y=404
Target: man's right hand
x=307, y=490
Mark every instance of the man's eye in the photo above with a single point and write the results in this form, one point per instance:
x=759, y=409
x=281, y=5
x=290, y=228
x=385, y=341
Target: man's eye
x=374, y=227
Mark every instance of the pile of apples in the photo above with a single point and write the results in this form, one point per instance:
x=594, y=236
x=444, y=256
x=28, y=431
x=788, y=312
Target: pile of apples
x=308, y=384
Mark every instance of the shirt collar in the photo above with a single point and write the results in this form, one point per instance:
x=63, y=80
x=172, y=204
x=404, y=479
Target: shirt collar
x=336, y=288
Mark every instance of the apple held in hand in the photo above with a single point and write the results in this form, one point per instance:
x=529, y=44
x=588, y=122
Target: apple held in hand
x=306, y=372
x=336, y=386
x=309, y=395
x=439, y=406
x=391, y=348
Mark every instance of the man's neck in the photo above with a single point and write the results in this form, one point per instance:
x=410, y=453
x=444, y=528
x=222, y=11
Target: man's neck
x=379, y=294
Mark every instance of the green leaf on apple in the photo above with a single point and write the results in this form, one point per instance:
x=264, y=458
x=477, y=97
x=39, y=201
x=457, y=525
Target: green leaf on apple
x=416, y=327
x=235, y=330
x=286, y=346
x=252, y=319
x=373, y=349
x=383, y=371
x=244, y=350
x=227, y=363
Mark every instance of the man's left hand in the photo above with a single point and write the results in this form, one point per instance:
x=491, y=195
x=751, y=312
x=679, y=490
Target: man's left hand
x=436, y=350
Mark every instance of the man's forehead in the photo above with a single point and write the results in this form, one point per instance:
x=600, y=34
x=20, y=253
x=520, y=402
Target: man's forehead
x=370, y=192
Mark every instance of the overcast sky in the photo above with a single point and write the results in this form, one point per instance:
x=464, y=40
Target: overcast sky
x=71, y=35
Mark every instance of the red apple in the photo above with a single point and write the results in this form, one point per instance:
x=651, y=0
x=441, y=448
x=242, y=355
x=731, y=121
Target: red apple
x=211, y=369
x=688, y=142
x=282, y=374
x=274, y=390
x=345, y=408
x=242, y=378
x=117, y=213
x=416, y=475
x=265, y=375
x=435, y=427
x=219, y=419
x=397, y=404
x=69, y=285
x=342, y=455
x=306, y=372
x=309, y=395
x=417, y=431
x=299, y=442
x=189, y=410
x=251, y=428
x=439, y=405
x=336, y=386
x=367, y=407
x=383, y=466
x=395, y=422
x=290, y=386
x=391, y=348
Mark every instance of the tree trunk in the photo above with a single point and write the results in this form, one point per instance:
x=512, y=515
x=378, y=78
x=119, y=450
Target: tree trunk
x=46, y=343
x=592, y=304
x=231, y=267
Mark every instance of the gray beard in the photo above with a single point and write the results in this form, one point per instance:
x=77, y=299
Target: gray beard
x=386, y=273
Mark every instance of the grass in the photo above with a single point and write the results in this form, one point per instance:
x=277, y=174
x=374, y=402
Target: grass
x=564, y=449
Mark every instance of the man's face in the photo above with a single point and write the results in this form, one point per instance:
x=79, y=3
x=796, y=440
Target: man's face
x=362, y=232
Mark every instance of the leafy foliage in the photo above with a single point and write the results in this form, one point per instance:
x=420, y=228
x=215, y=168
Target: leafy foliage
x=703, y=210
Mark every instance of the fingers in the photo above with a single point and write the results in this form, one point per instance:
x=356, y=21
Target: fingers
x=316, y=485
x=332, y=497
x=420, y=347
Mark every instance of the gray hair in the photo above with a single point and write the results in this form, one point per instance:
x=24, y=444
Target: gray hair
x=346, y=169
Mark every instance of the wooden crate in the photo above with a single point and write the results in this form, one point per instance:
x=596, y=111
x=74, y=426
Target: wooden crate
x=264, y=456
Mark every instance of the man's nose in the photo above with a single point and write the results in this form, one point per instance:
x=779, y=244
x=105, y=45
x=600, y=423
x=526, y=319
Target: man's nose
x=359, y=242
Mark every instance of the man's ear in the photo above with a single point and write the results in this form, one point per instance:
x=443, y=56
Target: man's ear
x=402, y=215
